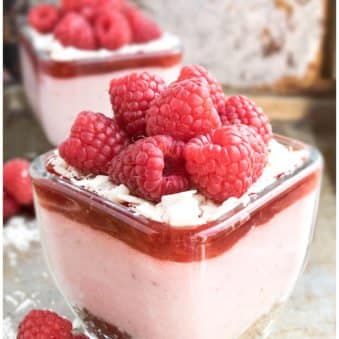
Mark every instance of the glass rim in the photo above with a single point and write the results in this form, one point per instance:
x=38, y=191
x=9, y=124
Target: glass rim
x=240, y=211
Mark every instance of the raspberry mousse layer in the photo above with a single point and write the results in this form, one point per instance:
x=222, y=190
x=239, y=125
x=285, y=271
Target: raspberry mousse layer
x=190, y=267
x=60, y=81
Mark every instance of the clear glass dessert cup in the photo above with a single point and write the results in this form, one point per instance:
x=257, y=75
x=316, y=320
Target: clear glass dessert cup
x=126, y=276
x=58, y=89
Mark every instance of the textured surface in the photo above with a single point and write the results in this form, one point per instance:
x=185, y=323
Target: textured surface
x=131, y=96
x=93, y=141
x=310, y=312
x=247, y=43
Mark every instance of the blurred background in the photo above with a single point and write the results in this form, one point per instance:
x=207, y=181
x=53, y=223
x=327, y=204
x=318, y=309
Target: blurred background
x=281, y=53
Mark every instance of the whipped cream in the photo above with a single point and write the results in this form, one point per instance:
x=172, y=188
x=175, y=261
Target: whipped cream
x=46, y=43
x=189, y=207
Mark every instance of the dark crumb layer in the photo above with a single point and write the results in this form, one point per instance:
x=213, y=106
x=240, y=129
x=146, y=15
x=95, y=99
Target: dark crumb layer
x=104, y=330
x=100, y=328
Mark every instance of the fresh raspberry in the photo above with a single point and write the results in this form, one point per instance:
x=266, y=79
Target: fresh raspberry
x=74, y=30
x=183, y=110
x=87, y=8
x=89, y=13
x=112, y=30
x=131, y=96
x=75, y=5
x=151, y=167
x=17, y=181
x=259, y=148
x=10, y=206
x=239, y=109
x=43, y=17
x=220, y=163
x=108, y=5
x=45, y=324
x=91, y=9
x=93, y=142
x=197, y=71
x=144, y=29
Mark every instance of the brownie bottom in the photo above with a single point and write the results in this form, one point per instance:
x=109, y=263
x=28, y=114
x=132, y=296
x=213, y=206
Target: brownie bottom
x=100, y=328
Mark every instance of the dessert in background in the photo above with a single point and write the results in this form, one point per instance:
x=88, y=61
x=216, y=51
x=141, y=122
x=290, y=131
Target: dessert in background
x=180, y=207
x=69, y=54
x=275, y=44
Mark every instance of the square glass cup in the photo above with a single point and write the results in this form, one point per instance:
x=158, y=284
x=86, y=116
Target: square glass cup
x=58, y=90
x=126, y=276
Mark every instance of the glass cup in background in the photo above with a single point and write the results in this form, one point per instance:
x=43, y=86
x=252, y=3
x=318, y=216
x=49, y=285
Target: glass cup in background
x=58, y=90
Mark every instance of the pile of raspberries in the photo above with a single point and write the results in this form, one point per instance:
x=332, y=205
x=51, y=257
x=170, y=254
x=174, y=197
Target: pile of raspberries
x=94, y=24
x=168, y=139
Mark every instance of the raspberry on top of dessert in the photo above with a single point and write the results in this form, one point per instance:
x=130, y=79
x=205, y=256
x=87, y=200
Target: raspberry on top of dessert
x=170, y=139
x=94, y=24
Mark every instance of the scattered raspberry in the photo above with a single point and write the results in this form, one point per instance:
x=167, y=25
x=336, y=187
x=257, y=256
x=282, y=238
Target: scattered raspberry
x=93, y=142
x=17, y=181
x=183, y=110
x=45, y=324
x=74, y=30
x=239, y=109
x=131, y=96
x=220, y=163
x=151, y=167
x=10, y=206
x=196, y=71
x=112, y=30
x=43, y=17
x=144, y=29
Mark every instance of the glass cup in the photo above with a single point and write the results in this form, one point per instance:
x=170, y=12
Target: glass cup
x=126, y=276
x=58, y=89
